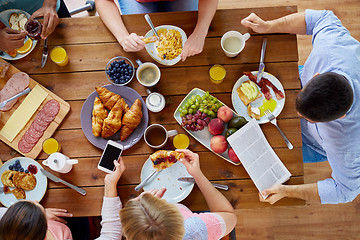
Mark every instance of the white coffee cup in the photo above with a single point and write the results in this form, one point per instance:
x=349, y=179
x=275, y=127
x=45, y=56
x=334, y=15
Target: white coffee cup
x=148, y=74
x=59, y=162
x=156, y=135
x=233, y=42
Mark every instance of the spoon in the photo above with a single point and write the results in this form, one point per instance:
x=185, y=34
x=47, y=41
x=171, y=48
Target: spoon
x=147, y=18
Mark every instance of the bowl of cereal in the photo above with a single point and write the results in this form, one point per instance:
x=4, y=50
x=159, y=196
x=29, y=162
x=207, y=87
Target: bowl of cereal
x=167, y=49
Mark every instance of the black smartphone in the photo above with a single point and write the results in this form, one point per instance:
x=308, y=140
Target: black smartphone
x=111, y=152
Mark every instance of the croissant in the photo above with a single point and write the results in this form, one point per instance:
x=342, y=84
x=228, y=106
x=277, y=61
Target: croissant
x=112, y=123
x=99, y=113
x=131, y=120
x=163, y=159
x=107, y=97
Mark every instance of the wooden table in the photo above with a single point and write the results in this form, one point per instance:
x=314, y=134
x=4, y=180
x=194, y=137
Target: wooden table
x=90, y=46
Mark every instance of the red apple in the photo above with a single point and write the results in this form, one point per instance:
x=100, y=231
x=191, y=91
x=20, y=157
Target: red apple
x=225, y=113
x=232, y=155
x=218, y=144
x=216, y=126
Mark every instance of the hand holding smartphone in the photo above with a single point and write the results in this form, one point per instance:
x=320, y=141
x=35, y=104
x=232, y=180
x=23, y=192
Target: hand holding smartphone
x=111, y=152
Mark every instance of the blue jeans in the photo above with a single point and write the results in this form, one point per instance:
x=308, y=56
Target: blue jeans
x=311, y=156
x=134, y=7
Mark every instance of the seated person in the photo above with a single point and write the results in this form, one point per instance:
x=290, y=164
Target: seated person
x=28, y=220
x=50, y=10
x=150, y=217
x=131, y=42
x=328, y=103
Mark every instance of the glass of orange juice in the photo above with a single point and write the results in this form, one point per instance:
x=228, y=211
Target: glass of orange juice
x=51, y=145
x=181, y=141
x=217, y=73
x=59, y=56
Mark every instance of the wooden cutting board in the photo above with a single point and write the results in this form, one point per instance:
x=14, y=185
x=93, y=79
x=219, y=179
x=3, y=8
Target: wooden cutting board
x=64, y=109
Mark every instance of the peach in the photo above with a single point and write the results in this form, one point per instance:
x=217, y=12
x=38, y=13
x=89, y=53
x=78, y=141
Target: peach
x=216, y=126
x=225, y=113
x=232, y=155
x=218, y=144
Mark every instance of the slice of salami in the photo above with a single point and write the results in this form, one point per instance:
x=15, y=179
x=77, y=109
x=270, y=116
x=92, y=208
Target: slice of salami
x=52, y=108
x=30, y=139
x=39, y=121
x=46, y=118
x=24, y=146
x=34, y=133
x=39, y=128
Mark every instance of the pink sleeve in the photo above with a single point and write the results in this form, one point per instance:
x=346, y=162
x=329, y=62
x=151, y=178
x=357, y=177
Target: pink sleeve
x=59, y=230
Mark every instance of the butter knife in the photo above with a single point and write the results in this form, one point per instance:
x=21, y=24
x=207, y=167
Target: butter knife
x=45, y=54
x=262, y=65
x=192, y=180
x=138, y=187
x=56, y=179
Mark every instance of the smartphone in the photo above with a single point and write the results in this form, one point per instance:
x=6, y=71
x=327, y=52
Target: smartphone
x=111, y=152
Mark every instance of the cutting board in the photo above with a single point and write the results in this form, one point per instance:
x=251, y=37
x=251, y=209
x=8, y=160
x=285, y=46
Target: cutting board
x=64, y=109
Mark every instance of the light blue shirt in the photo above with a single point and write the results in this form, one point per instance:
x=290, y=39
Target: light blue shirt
x=334, y=50
x=29, y=6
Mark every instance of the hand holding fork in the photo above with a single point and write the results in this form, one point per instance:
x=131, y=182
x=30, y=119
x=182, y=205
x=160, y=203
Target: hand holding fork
x=272, y=119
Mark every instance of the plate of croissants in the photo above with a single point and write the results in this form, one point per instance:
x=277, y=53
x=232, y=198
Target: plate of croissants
x=115, y=113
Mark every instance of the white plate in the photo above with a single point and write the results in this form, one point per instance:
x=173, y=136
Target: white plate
x=41, y=182
x=241, y=109
x=176, y=190
x=4, y=17
x=203, y=136
x=151, y=47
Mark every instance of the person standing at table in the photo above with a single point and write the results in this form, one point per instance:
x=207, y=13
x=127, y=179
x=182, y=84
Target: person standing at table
x=132, y=42
x=50, y=10
x=150, y=217
x=329, y=104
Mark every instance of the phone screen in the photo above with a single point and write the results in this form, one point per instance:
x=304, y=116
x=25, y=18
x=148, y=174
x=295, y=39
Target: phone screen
x=110, y=154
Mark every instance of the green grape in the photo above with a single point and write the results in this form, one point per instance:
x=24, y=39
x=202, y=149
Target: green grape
x=214, y=98
x=190, y=111
x=205, y=101
x=198, y=97
x=193, y=97
x=207, y=93
x=211, y=97
x=213, y=102
x=203, y=97
x=201, y=109
x=190, y=102
x=182, y=115
x=184, y=111
x=180, y=109
x=197, y=104
x=211, y=112
x=213, y=115
x=187, y=105
x=218, y=105
x=193, y=106
x=205, y=111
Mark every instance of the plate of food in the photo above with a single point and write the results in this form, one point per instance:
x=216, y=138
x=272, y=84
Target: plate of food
x=169, y=170
x=194, y=114
x=168, y=48
x=251, y=100
x=16, y=19
x=21, y=179
x=115, y=113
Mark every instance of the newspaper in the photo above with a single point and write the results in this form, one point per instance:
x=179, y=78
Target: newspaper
x=258, y=158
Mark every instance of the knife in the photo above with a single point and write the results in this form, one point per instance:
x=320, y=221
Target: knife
x=45, y=53
x=192, y=180
x=138, y=187
x=262, y=65
x=56, y=179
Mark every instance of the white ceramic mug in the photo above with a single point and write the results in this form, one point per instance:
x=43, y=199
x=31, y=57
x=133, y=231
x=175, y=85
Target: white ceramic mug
x=162, y=130
x=241, y=39
x=154, y=79
x=59, y=162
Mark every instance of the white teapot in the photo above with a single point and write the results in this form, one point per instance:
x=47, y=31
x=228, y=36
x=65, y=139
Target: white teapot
x=59, y=162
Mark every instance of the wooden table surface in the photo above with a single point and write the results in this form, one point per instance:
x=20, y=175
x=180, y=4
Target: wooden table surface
x=90, y=46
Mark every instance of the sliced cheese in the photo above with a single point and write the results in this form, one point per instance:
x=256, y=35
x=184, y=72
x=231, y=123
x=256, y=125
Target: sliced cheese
x=23, y=113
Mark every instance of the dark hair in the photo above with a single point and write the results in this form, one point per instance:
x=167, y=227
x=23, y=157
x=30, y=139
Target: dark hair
x=23, y=220
x=326, y=97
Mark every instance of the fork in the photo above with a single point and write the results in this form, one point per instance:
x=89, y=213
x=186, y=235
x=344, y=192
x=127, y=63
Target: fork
x=272, y=119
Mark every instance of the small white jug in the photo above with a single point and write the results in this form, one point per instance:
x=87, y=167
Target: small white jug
x=59, y=162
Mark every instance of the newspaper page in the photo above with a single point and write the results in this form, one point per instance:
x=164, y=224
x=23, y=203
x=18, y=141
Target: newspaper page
x=257, y=156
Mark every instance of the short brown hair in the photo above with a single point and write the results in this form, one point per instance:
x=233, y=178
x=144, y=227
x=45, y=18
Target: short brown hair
x=24, y=220
x=326, y=97
x=151, y=218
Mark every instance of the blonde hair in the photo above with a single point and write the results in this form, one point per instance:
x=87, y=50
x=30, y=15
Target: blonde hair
x=151, y=218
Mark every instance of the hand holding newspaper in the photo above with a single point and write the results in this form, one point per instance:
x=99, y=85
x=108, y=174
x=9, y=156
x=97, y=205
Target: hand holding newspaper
x=257, y=156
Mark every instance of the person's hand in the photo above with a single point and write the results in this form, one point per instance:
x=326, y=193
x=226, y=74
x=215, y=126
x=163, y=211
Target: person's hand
x=193, y=45
x=57, y=214
x=11, y=39
x=159, y=193
x=51, y=19
x=275, y=193
x=191, y=162
x=132, y=43
x=113, y=178
x=255, y=23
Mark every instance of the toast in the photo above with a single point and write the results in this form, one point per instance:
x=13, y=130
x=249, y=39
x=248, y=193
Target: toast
x=252, y=113
x=248, y=92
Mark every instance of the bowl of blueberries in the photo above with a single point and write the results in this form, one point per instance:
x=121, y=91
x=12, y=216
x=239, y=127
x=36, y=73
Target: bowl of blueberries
x=120, y=71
